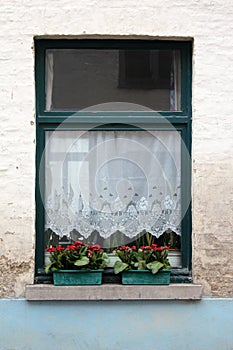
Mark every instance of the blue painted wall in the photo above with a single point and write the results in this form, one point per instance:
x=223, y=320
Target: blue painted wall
x=178, y=325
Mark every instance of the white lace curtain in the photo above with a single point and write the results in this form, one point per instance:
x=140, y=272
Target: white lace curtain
x=125, y=182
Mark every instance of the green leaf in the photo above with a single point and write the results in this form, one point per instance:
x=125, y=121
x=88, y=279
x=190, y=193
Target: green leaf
x=121, y=255
x=105, y=257
x=82, y=262
x=139, y=256
x=142, y=265
x=154, y=266
x=167, y=266
x=51, y=266
x=47, y=267
x=102, y=262
x=120, y=266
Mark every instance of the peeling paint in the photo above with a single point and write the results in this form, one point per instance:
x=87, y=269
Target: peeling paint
x=10, y=272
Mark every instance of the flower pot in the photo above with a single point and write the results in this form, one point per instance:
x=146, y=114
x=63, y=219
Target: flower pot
x=77, y=277
x=46, y=258
x=174, y=257
x=112, y=259
x=146, y=277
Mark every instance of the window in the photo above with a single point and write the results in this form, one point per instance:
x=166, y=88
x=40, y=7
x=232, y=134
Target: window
x=148, y=69
x=113, y=144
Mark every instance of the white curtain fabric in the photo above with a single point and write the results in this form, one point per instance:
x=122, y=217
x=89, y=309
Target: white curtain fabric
x=113, y=181
x=175, y=82
x=49, y=79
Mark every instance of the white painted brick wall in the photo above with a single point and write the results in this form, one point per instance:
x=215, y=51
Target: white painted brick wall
x=210, y=23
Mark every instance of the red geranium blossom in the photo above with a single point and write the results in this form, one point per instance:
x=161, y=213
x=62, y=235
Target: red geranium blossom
x=60, y=248
x=71, y=247
x=89, y=254
x=50, y=250
x=95, y=247
x=78, y=243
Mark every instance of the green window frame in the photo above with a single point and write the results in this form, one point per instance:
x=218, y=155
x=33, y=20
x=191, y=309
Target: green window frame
x=83, y=120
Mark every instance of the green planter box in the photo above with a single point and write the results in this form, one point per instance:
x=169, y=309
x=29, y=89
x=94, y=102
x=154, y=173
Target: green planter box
x=145, y=277
x=77, y=277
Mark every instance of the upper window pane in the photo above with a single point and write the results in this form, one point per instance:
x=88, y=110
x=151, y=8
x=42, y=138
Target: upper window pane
x=77, y=79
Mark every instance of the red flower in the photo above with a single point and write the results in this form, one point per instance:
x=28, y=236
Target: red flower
x=159, y=248
x=134, y=247
x=142, y=247
x=71, y=247
x=96, y=247
x=50, y=250
x=78, y=243
x=59, y=248
x=123, y=247
x=147, y=247
x=154, y=246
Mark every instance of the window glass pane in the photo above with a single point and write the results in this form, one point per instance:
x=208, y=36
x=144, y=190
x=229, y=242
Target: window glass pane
x=83, y=78
x=111, y=187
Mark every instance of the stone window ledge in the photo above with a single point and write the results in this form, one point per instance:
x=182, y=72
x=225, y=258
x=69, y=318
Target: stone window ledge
x=174, y=291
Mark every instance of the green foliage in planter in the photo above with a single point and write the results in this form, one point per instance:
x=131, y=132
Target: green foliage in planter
x=77, y=256
x=152, y=258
